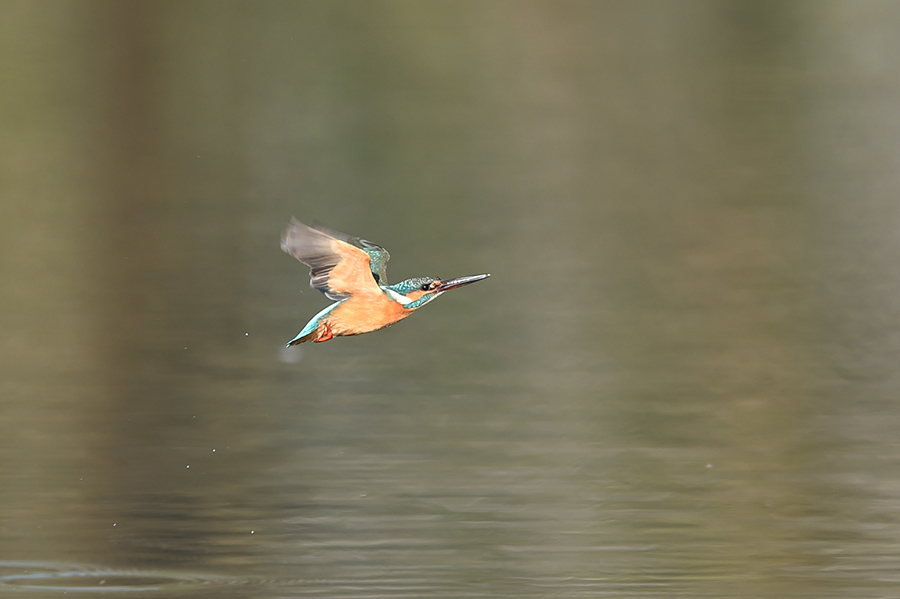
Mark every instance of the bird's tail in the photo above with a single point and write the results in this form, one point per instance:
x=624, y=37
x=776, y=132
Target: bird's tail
x=312, y=329
x=301, y=338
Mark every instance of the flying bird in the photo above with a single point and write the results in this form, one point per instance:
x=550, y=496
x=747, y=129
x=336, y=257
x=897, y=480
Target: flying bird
x=353, y=272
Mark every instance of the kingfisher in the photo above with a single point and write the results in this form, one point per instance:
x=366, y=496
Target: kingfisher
x=353, y=272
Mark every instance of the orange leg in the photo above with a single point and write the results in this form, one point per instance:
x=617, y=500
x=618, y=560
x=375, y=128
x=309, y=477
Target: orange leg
x=325, y=335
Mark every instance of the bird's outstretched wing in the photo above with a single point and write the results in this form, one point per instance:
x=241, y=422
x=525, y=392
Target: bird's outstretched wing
x=378, y=256
x=340, y=265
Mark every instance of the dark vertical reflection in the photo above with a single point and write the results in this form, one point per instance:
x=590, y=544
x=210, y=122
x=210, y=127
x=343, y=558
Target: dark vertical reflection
x=167, y=237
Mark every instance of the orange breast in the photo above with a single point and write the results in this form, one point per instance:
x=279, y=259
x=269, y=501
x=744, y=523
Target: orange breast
x=364, y=314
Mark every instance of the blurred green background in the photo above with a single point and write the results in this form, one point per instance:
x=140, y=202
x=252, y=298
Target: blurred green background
x=681, y=379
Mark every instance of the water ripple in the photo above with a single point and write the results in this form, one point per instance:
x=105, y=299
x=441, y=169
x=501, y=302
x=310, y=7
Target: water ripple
x=74, y=578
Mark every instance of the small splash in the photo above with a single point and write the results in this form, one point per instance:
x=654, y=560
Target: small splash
x=74, y=578
x=290, y=355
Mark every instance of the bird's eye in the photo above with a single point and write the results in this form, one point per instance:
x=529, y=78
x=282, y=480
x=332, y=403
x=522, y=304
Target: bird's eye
x=425, y=287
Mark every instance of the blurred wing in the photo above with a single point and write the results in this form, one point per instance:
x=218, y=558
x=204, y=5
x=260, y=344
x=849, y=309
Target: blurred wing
x=378, y=256
x=338, y=268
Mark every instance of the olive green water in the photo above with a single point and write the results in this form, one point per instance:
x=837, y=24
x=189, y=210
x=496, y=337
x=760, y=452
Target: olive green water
x=680, y=381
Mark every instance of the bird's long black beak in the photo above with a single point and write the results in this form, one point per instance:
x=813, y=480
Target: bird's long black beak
x=459, y=282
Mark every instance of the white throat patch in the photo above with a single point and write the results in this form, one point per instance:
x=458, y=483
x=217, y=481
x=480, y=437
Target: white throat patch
x=398, y=297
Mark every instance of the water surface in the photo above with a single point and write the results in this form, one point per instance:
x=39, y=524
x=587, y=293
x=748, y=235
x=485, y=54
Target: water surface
x=679, y=381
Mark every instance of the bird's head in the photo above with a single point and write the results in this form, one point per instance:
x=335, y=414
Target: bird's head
x=415, y=293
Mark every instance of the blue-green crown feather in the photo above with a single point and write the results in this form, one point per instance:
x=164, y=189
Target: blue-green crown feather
x=409, y=285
